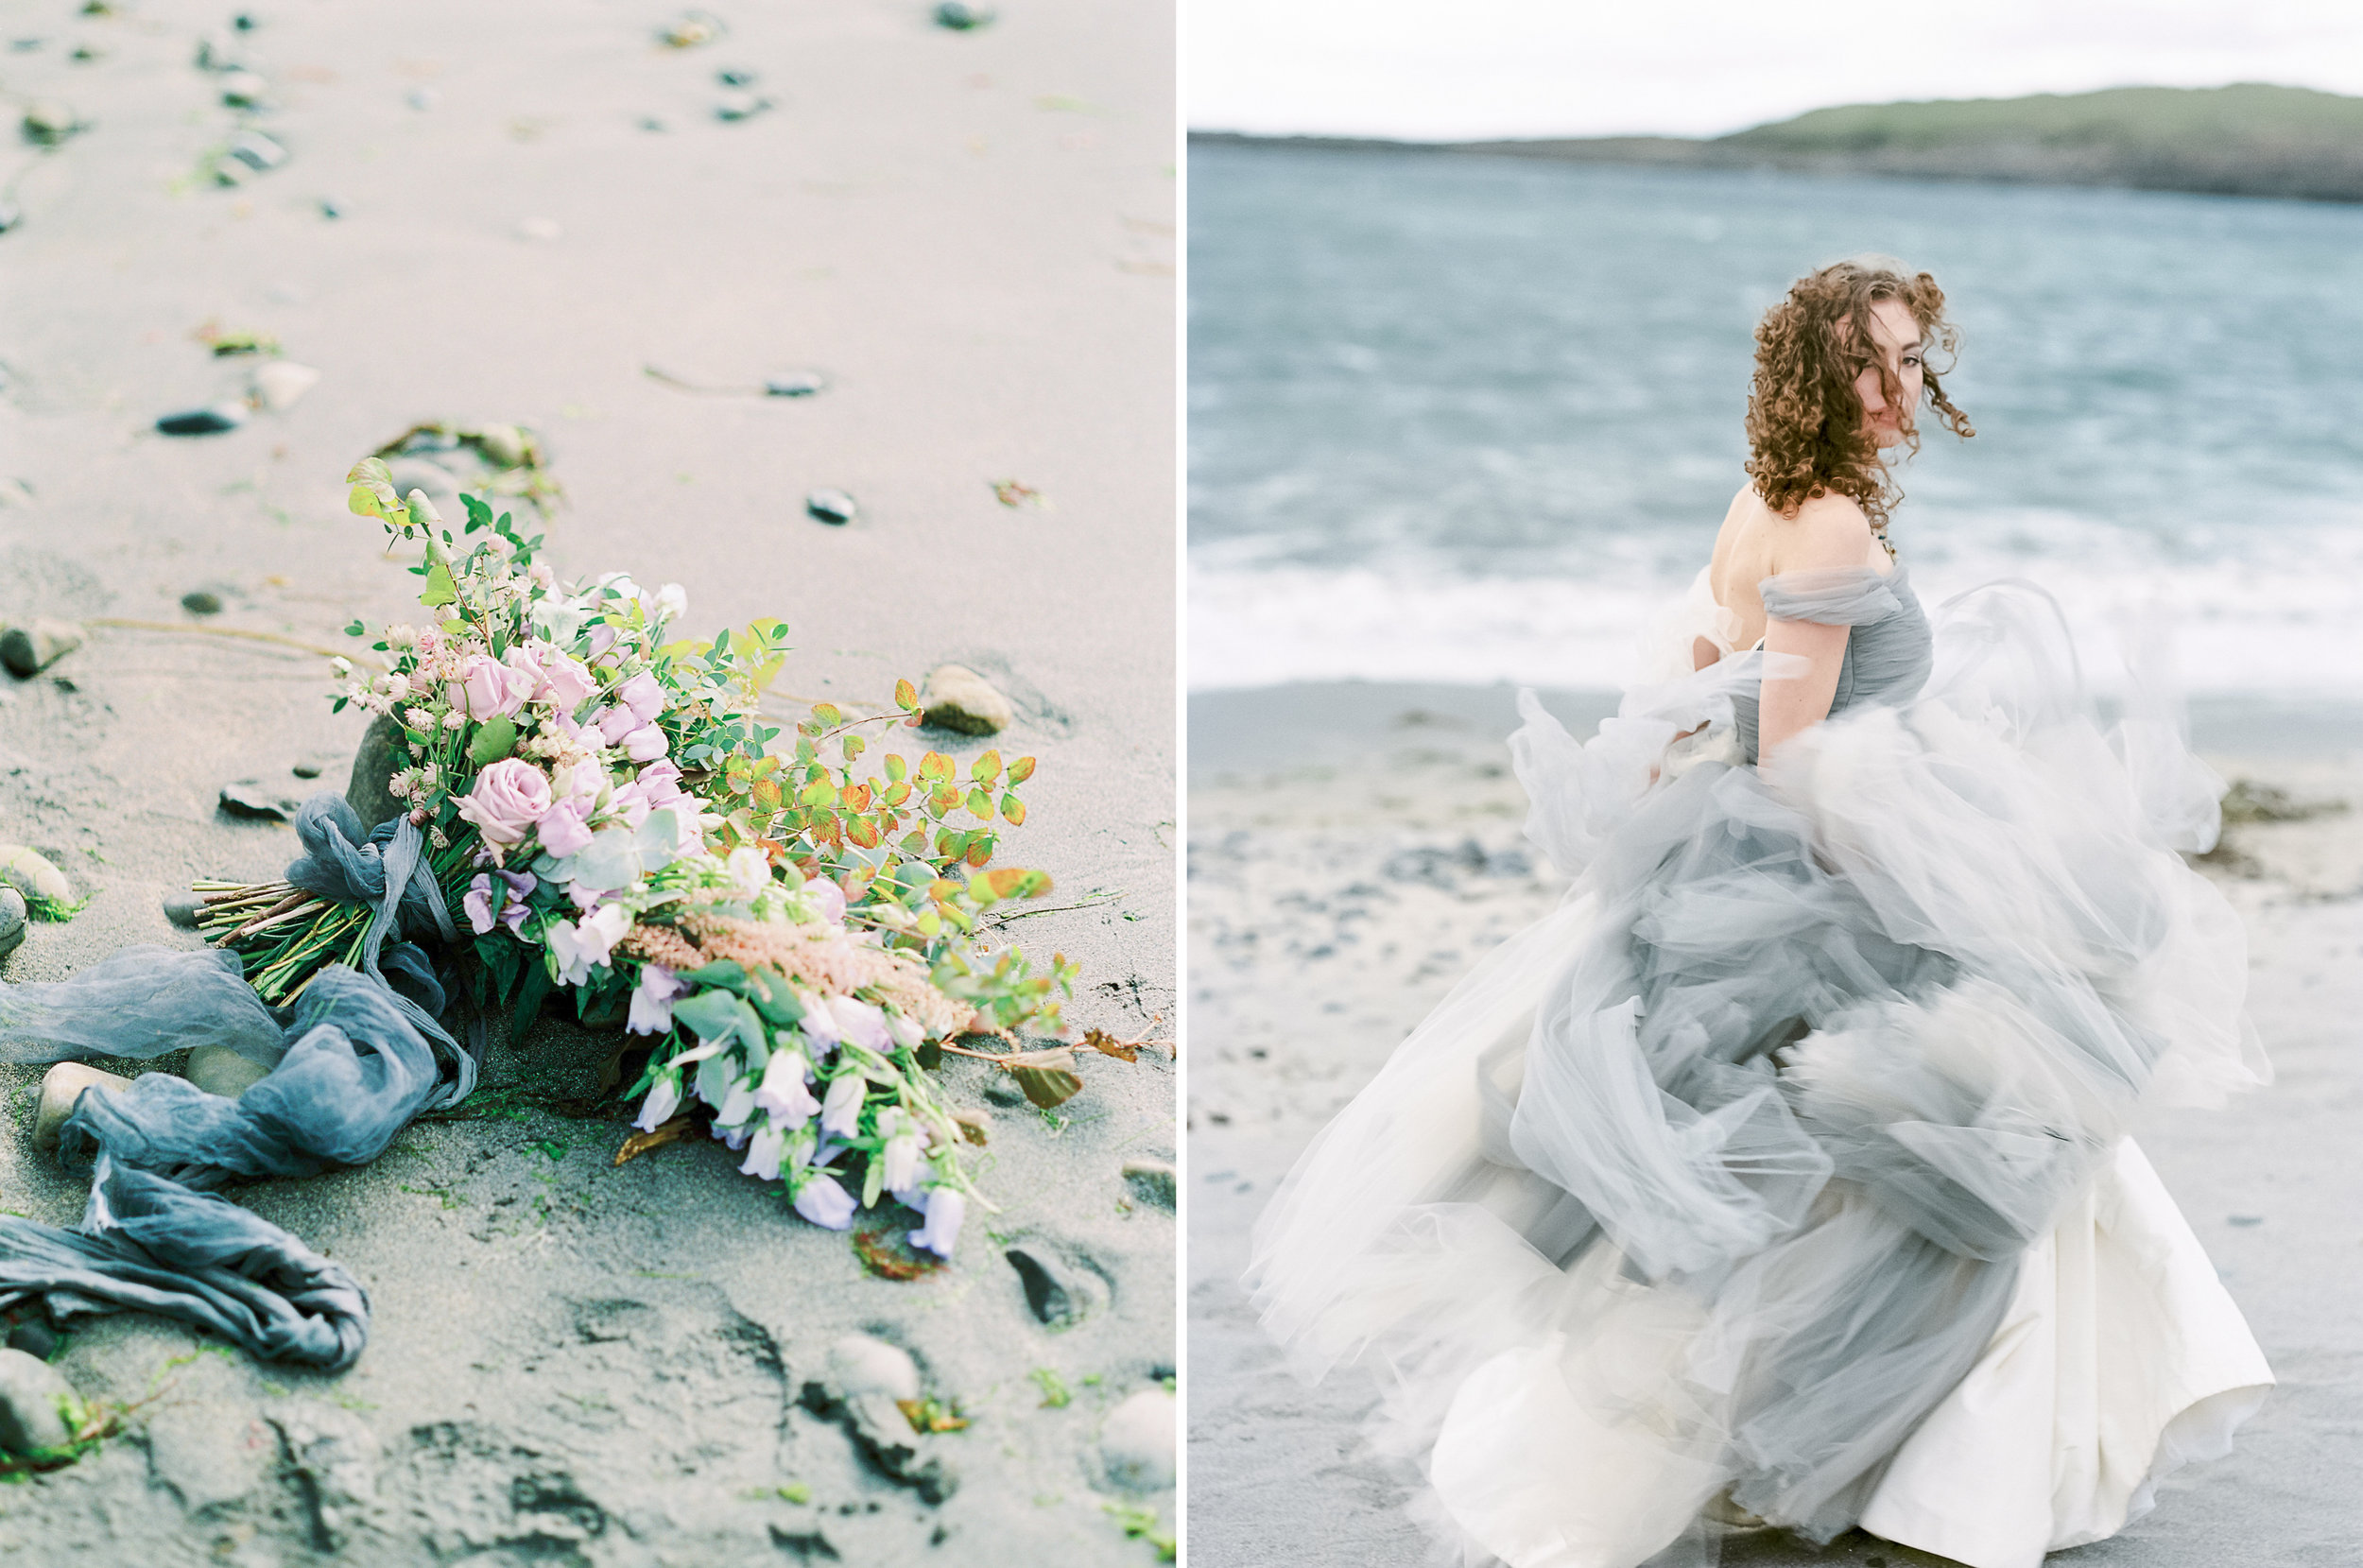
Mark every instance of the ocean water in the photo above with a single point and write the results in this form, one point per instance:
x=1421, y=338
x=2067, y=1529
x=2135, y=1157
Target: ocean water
x=1472, y=419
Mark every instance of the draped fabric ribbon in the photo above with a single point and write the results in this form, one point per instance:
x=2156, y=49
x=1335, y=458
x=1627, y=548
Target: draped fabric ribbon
x=352, y=1059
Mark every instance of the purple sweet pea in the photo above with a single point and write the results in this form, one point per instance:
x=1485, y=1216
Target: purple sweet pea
x=946, y=1208
x=484, y=912
x=652, y=1000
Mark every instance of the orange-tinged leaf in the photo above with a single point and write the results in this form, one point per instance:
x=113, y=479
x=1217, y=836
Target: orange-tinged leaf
x=905, y=696
x=865, y=833
x=854, y=796
x=979, y=850
x=1021, y=771
x=1013, y=811
x=898, y=792
x=941, y=888
x=897, y=769
x=985, y=769
x=980, y=805
x=640, y=1142
x=934, y=765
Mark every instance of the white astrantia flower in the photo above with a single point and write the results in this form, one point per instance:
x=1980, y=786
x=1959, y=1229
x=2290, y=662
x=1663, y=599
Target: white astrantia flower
x=663, y=1099
x=750, y=871
x=841, y=1111
x=946, y=1208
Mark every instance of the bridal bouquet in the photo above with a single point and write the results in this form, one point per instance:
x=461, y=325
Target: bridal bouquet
x=796, y=932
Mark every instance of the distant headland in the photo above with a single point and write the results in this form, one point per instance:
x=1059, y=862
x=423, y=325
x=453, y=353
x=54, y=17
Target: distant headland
x=2250, y=139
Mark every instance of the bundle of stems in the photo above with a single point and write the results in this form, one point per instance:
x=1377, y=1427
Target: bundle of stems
x=284, y=936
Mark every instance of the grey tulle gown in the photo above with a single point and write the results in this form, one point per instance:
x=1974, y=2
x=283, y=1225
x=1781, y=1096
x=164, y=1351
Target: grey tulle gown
x=1787, y=1159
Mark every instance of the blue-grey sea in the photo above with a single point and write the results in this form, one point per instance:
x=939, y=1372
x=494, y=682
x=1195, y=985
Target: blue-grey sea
x=1471, y=419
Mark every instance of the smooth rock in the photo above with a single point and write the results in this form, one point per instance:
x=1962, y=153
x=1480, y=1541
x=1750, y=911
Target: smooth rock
x=182, y=909
x=306, y=770
x=503, y=445
x=739, y=106
x=257, y=152
x=260, y=802
x=1151, y=1180
x=282, y=382
x=833, y=506
x=957, y=697
x=330, y=208
x=860, y=1365
x=961, y=17
x=32, y=874
x=199, y=602
x=27, y=650
x=794, y=384
x=692, y=28
x=59, y=1088
x=411, y=473
x=244, y=90
x=1138, y=1438
x=49, y=122
x=215, y=420
x=31, y=1397
x=10, y=215
x=335, y=1454
x=1059, y=1294
x=12, y=919
x=735, y=78
x=383, y=753
x=35, y=1339
x=219, y=1070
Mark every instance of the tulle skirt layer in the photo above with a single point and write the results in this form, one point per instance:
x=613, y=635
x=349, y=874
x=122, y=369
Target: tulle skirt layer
x=1727, y=1175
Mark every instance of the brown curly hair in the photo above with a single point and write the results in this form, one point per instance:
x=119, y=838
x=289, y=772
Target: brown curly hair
x=1807, y=433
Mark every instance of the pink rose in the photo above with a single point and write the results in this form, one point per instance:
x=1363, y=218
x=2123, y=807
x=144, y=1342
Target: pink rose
x=602, y=639
x=485, y=688
x=643, y=695
x=508, y=800
x=614, y=724
x=526, y=670
x=568, y=683
x=660, y=783
x=645, y=744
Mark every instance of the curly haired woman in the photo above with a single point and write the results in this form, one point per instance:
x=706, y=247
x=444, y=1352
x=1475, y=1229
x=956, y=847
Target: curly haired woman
x=1780, y=1178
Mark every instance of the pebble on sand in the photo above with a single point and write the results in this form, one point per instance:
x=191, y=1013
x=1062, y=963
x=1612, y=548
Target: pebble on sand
x=380, y=756
x=182, y=909
x=60, y=1087
x=214, y=420
x=691, y=28
x=35, y=1339
x=27, y=650
x=33, y=875
x=33, y=1397
x=13, y=918
x=1151, y=1180
x=1137, y=1442
x=199, y=602
x=794, y=384
x=259, y=802
x=255, y=150
x=740, y=105
x=47, y=122
x=10, y=215
x=244, y=90
x=961, y=17
x=833, y=507
x=219, y=1070
x=957, y=697
x=860, y=1365
x=280, y=382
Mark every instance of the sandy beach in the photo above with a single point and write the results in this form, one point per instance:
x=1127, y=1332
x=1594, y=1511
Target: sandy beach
x=512, y=215
x=1355, y=848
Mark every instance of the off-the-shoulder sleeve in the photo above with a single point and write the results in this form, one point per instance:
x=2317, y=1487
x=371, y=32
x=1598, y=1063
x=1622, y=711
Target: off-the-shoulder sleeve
x=1832, y=595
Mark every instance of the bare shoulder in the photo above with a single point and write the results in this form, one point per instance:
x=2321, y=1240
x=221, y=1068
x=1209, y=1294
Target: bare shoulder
x=1827, y=530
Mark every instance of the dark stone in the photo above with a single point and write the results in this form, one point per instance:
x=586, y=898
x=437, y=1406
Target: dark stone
x=833, y=507
x=182, y=909
x=257, y=152
x=259, y=802
x=13, y=918
x=735, y=78
x=1152, y=1182
x=36, y=1339
x=794, y=384
x=961, y=17
x=1045, y=1295
x=740, y=105
x=306, y=770
x=383, y=753
x=203, y=422
x=201, y=603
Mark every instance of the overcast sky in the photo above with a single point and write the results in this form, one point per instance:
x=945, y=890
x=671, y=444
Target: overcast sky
x=1447, y=69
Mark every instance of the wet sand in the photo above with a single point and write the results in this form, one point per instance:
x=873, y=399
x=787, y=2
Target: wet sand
x=1353, y=849
x=971, y=236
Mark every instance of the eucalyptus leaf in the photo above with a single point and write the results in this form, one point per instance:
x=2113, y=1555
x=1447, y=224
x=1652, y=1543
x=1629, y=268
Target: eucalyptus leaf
x=494, y=739
x=711, y=1014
